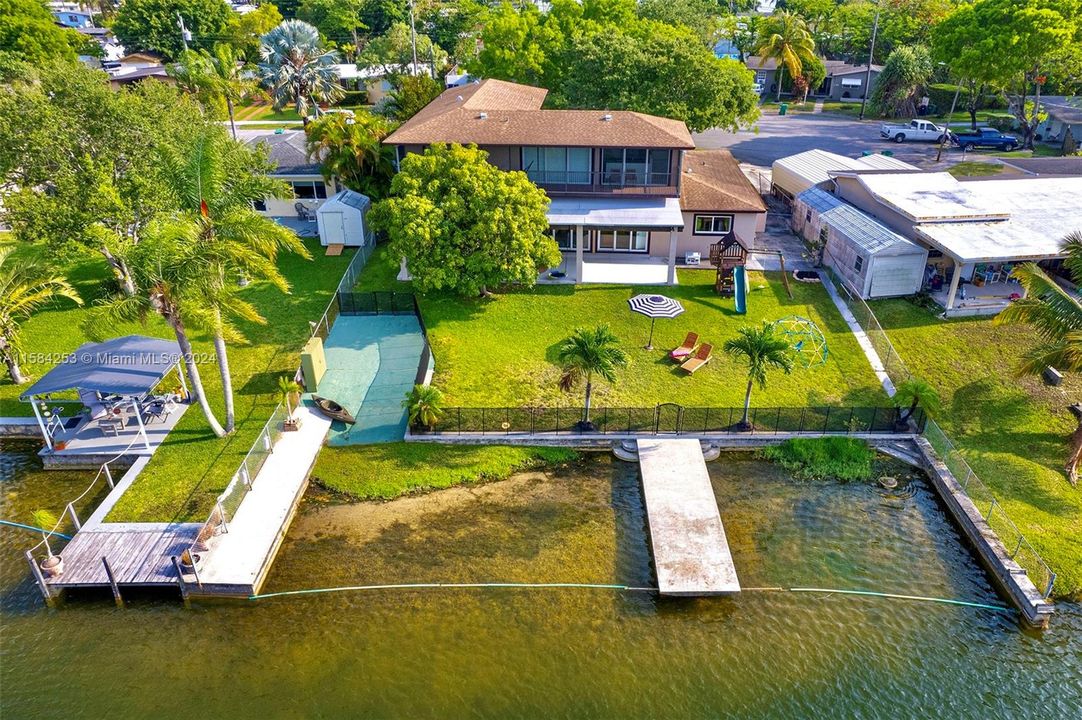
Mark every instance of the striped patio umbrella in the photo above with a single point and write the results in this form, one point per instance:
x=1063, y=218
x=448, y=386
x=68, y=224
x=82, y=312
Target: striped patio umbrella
x=654, y=307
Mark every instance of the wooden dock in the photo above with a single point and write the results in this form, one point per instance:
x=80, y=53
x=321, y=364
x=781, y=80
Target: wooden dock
x=691, y=553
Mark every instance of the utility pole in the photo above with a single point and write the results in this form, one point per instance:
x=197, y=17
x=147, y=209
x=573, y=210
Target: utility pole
x=868, y=73
x=950, y=116
x=185, y=34
x=413, y=39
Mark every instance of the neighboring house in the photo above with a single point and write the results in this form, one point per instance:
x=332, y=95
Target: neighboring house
x=621, y=183
x=375, y=80
x=74, y=18
x=975, y=230
x=135, y=67
x=1064, y=118
x=792, y=175
x=726, y=48
x=111, y=50
x=308, y=188
x=843, y=81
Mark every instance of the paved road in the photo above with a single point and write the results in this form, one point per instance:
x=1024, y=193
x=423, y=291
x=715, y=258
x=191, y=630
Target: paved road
x=776, y=137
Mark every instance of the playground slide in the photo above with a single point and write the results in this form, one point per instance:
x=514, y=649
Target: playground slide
x=740, y=287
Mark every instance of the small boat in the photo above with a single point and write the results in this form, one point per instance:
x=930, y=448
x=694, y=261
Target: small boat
x=333, y=410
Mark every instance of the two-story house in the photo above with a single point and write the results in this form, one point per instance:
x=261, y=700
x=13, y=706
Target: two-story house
x=621, y=183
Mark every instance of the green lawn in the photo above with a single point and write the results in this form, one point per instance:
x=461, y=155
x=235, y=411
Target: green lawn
x=1013, y=431
x=390, y=470
x=192, y=466
x=264, y=112
x=501, y=351
x=972, y=168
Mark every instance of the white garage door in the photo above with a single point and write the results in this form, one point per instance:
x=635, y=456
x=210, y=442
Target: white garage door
x=896, y=275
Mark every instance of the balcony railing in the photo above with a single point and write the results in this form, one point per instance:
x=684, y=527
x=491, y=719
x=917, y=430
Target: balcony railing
x=630, y=182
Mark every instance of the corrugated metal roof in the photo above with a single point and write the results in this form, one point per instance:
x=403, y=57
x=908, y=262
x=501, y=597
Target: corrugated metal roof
x=816, y=166
x=352, y=199
x=863, y=231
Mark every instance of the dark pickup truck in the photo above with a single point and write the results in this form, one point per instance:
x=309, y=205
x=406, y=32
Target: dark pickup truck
x=984, y=138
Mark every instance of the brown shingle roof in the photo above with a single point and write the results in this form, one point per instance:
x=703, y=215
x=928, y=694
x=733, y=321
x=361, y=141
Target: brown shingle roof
x=494, y=112
x=713, y=180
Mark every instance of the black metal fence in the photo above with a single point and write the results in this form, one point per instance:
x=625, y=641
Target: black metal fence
x=377, y=303
x=670, y=419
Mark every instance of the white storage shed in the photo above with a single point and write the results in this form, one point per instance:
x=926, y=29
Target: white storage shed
x=790, y=176
x=875, y=261
x=343, y=220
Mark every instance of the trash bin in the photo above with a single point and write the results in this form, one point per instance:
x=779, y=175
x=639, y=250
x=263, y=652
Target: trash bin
x=783, y=108
x=866, y=153
x=888, y=153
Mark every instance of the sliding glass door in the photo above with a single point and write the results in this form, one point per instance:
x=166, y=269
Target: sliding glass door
x=627, y=241
x=630, y=167
x=557, y=165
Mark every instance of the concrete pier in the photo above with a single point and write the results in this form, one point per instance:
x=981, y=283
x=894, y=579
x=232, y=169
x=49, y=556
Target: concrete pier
x=691, y=553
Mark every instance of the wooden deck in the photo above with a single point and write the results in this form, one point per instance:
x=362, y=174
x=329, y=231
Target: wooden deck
x=139, y=555
x=691, y=553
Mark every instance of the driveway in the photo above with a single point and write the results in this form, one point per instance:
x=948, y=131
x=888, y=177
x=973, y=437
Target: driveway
x=777, y=136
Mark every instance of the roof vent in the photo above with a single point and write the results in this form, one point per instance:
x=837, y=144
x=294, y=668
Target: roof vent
x=458, y=98
x=607, y=117
x=482, y=116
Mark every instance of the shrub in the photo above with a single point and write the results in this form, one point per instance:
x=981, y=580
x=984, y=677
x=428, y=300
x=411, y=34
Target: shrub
x=832, y=458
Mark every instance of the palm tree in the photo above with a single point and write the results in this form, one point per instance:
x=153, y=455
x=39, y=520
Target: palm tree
x=25, y=288
x=215, y=184
x=784, y=37
x=911, y=394
x=352, y=149
x=297, y=70
x=170, y=273
x=1056, y=317
x=227, y=70
x=425, y=406
x=588, y=352
x=762, y=348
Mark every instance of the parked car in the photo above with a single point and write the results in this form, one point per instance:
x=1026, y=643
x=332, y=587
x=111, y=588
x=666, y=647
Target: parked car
x=915, y=130
x=984, y=138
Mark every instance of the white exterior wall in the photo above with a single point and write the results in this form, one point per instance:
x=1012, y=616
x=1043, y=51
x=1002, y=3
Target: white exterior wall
x=881, y=275
x=284, y=207
x=745, y=225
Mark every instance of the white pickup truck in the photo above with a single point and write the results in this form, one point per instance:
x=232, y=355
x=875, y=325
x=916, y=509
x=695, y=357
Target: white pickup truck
x=915, y=130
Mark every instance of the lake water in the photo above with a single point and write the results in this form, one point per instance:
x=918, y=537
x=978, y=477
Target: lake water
x=550, y=653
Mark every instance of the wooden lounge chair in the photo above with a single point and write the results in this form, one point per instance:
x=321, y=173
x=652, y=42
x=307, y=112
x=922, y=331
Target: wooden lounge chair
x=702, y=357
x=681, y=353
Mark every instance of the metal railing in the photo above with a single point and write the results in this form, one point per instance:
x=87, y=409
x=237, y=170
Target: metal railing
x=668, y=419
x=1018, y=547
x=349, y=278
x=613, y=181
x=377, y=303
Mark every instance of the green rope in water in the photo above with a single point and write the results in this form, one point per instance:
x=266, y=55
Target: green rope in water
x=622, y=588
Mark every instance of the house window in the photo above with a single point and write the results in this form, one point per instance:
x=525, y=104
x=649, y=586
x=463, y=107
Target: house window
x=635, y=166
x=557, y=165
x=260, y=205
x=622, y=240
x=564, y=237
x=309, y=189
x=713, y=224
x=760, y=76
x=859, y=264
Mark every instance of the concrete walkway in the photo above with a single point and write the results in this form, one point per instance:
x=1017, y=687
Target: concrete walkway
x=371, y=365
x=862, y=337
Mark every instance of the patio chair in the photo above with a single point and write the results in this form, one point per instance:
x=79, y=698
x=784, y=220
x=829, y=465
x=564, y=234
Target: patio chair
x=702, y=357
x=111, y=426
x=159, y=409
x=682, y=352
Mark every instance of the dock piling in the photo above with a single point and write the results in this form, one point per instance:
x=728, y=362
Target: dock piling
x=180, y=582
x=39, y=578
x=112, y=583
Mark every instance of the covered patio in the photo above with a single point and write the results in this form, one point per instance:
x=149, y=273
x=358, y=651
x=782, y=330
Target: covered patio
x=115, y=381
x=609, y=239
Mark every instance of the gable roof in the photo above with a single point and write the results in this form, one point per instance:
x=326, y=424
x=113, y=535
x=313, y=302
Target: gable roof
x=833, y=67
x=494, y=112
x=713, y=180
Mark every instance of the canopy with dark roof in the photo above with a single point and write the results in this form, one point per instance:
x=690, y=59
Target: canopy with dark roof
x=131, y=366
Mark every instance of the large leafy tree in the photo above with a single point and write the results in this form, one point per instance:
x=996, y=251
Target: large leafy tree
x=297, y=69
x=1056, y=318
x=410, y=93
x=602, y=54
x=393, y=51
x=338, y=21
x=762, y=348
x=586, y=353
x=1015, y=46
x=246, y=31
x=29, y=32
x=784, y=37
x=462, y=224
x=152, y=24
x=77, y=159
x=899, y=87
x=25, y=288
x=352, y=150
